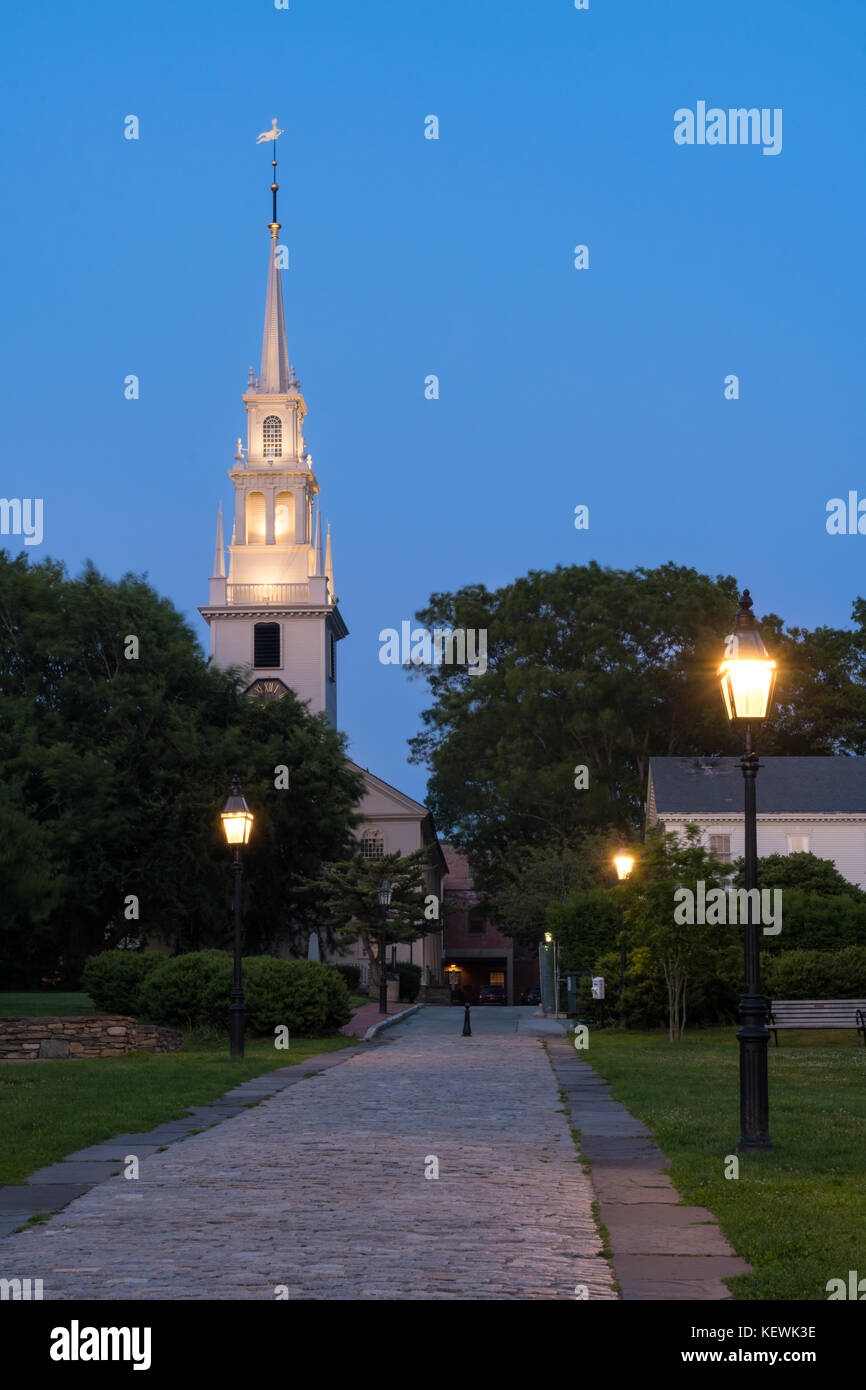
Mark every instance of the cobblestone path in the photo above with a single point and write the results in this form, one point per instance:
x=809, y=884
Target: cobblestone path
x=321, y=1190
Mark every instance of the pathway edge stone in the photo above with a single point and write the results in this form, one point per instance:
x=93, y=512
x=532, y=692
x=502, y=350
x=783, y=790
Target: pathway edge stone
x=386, y=1022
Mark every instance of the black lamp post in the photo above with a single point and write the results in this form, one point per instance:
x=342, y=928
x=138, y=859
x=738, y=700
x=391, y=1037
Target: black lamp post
x=624, y=864
x=384, y=903
x=747, y=676
x=237, y=822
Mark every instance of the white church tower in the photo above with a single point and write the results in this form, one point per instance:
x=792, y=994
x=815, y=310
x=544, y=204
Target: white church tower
x=276, y=613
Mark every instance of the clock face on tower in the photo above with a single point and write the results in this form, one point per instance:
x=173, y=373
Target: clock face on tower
x=266, y=688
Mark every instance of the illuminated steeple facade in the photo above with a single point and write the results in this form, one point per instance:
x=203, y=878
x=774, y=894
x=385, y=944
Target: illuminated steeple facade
x=275, y=613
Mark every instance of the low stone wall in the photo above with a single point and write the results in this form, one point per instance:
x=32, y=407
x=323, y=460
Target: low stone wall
x=101, y=1035
x=152, y=1037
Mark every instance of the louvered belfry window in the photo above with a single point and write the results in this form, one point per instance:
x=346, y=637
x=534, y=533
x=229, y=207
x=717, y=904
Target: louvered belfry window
x=266, y=644
x=272, y=437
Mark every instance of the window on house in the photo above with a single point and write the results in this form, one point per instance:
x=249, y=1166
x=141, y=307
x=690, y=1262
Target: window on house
x=272, y=437
x=372, y=844
x=475, y=925
x=497, y=977
x=266, y=644
x=720, y=847
x=798, y=844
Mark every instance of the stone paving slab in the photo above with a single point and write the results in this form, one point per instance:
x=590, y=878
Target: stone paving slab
x=111, y=1149
x=49, y=1198
x=653, y=1228
x=66, y=1172
x=677, y=1277
x=322, y=1189
x=624, y=1183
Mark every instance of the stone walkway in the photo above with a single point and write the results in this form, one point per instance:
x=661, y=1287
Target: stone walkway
x=321, y=1190
x=662, y=1249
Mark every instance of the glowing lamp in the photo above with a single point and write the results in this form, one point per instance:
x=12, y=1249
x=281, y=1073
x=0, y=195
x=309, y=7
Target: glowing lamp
x=747, y=674
x=624, y=865
x=236, y=816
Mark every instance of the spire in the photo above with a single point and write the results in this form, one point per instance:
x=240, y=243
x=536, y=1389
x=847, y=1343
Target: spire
x=329, y=566
x=219, y=563
x=275, y=359
x=320, y=564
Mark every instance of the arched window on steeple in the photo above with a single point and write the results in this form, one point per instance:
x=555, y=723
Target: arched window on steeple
x=284, y=518
x=272, y=437
x=255, y=518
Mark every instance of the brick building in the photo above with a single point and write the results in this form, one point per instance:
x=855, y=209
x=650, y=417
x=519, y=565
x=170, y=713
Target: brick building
x=475, y=952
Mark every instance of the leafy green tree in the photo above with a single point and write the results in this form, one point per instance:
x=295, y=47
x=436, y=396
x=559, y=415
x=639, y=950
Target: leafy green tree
x=688, y=953
x=118, y=742
x=602, y=669
x=584, y=926
x=802, y=871
x=347, y=896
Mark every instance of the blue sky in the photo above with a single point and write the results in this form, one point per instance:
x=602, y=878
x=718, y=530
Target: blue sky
x=455, y=257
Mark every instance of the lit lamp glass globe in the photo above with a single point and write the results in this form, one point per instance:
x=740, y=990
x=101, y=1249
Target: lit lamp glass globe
x=747, y=674
x=624, y=864
x=236, y=816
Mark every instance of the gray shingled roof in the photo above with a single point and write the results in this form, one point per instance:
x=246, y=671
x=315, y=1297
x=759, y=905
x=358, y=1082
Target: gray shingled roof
x=795, y=786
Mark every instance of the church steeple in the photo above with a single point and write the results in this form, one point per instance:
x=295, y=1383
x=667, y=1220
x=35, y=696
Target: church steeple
x=275, y=612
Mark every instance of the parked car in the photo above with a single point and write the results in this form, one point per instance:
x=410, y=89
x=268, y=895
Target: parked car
x=531, y=996
x=491, y=994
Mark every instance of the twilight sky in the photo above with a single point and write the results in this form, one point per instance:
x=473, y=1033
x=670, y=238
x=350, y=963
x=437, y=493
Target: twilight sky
x=455, y=257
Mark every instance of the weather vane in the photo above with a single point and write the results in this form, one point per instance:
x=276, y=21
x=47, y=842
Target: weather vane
x=273, y=134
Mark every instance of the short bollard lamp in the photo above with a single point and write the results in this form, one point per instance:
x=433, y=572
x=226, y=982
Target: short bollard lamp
x=384, y=902
x=237, y=819
x=748, y=676
x=467, y=1026
x=623, y=863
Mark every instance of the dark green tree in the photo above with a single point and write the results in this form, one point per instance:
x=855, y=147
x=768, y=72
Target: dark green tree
x=117, y=746
x=346, y=893
x=602, y=669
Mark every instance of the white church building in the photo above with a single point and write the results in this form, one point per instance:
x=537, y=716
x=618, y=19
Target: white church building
x=275, y=613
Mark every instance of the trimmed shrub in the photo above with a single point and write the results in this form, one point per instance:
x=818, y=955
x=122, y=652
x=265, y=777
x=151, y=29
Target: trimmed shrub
x=193, y=991
x=306, y=996
x=114, y=979
x=352, y=975
x=817, y=974
x=410, y=980
x=175, y=993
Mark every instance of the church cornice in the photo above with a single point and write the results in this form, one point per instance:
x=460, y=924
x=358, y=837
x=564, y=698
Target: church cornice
x=261, y=473
x=327, y=611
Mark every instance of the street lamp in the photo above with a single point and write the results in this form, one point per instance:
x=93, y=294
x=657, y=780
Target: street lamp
x=547, y=973
x=237, y=819
x=624, y=864
x=384, y=903
x=747, y=678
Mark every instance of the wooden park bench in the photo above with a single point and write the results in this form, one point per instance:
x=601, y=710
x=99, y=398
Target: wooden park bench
x=818, y=1013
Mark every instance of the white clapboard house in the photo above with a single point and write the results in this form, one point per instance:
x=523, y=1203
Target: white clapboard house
x=816, y=805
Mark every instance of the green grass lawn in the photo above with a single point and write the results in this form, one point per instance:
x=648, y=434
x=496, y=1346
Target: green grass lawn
x=49, y=1109
x=45, y=1004
x=796, y=1214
